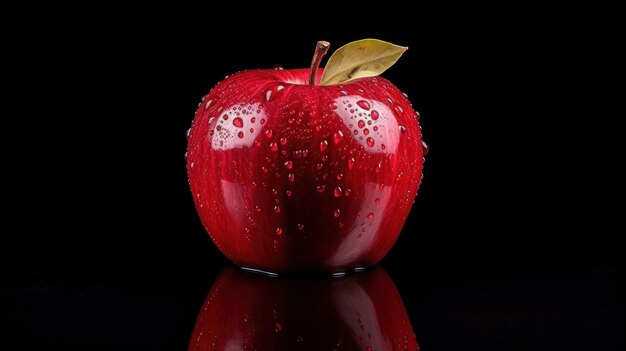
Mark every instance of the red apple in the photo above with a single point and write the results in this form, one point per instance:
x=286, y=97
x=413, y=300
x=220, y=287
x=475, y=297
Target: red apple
x=245, y=311
x=292, y=176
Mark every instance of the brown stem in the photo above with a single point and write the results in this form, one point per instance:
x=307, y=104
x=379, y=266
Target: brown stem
x=320, y=50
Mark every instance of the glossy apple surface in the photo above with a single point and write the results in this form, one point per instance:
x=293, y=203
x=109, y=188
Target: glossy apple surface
x=294, y=177
x=246, y=311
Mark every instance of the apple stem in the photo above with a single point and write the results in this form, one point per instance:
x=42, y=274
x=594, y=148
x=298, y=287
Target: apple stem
x=320, y=50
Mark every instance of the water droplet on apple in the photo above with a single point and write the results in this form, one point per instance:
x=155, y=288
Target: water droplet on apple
x=366, y=131
x=289, y=165
x=338, y=191
x=191, y=165
x=351, y=163
x=268, y=95
x=273, y=147
x=262, y=121
x=300, y=226
x=278, y=67
x=323, y=145
x=339, y=176
x=225, y=117
x=361, y=124
x=363, y=104
x=240, y=135
x=288, y=192
x=268, y=133
x=375, y=128
x=320, y=188
x=333, y=106
x=276, y=209
x=337, y=137
x=398, y=109
x=291, y=177
x=389, y=100
x=370, y=142
x=402, y=129
x=377, y=201
x=342, y=93
x=238, y=122
x=283, y=141
x=208, y=104
x=337, y=213
x=279, y=231
x=424, y=148
x=279, y=88
x=257, y=143
x=187, y=133
x=375, y=115
x=347, y=192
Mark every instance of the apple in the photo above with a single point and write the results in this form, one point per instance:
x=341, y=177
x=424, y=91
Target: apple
x=246, y=311
x=290, y=175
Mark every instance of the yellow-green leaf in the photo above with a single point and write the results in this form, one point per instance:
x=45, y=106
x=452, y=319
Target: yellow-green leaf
x=361, y=58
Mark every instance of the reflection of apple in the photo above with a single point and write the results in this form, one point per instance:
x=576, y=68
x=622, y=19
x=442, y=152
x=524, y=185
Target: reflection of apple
x=244, y=311
x=288, y=176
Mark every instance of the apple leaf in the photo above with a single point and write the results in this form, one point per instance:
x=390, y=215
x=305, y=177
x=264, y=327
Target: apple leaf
x=361, y=58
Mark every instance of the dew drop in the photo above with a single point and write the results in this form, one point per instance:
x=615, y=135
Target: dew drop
x=279, y=231
x=333, y=106
x=402, y=129
x=339, y=176
x=268, y=95
x=240, y=135
x=320, y=188
x=208, y=104
x=370, y=142
x=323, y=145
x=375, y=128
x=338, y=191
x=188, y=133
x=361, y=124
x=347, y=192
x=351, y=163
x=291, y=177
x=276, y=209
x=238, y=122
x=225, y=117
x=288, y=192
x=337, y=137
x=288, y=164
x=336, y=213
x=278, y=327
x=279, y=88
x=283, y=141
x=257, y=143
x=366, y=131
x=268, y=133
x=398, y=109
x=278, y=67
x=342, y=93
x=375, y=115
x=370, y=215
x=377, y=201
x=273, y=147
x=262, y=121
x=363, y=104
x=424, y=148
x=300, y=226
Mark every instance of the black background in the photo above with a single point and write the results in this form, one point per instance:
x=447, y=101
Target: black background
x=508, y=245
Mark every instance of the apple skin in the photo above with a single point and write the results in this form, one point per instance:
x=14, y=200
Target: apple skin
x=293, y=177
x=245, y=311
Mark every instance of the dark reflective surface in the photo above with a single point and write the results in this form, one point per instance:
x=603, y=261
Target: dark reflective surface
x=247, y=311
